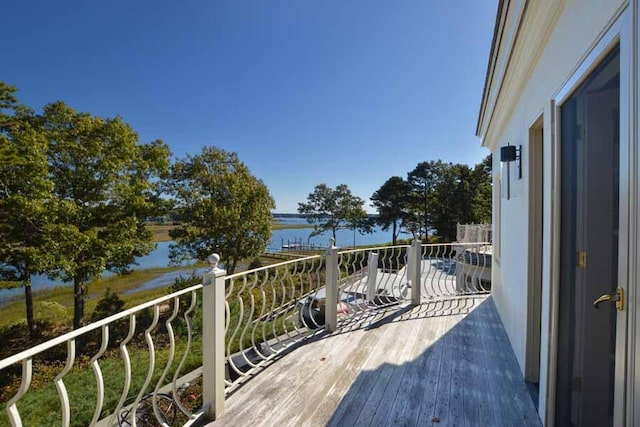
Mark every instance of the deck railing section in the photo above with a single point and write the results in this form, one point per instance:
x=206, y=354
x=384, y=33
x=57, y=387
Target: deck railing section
x=247, y=320
x=372, y=277
x=139, y=329
x=473, y=233
x=451, y=269
x=268, y=310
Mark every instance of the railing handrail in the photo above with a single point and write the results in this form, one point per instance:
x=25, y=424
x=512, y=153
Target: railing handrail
x=266, y=267
x=371, y=248
x=33, y=351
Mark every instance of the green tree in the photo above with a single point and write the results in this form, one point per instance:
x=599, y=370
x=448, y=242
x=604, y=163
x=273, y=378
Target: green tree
x=224, y=209
x=331, y=209
x=483, y=191
x=25, y=198
x=392, y=201
x=424, y=180
x=445, y=194
x=451, y=201
x=106, y=185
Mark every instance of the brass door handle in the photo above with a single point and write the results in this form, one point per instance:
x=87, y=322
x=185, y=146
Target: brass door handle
x=618, y=297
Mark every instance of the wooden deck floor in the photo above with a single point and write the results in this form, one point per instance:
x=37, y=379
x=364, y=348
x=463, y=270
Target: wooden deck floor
x=447, y=363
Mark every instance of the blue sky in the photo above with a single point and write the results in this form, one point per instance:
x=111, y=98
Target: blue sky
x=305, y=92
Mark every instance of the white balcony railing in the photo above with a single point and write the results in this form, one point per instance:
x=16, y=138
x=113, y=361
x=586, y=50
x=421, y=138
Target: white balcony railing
x=227, y=328
x=474, y=233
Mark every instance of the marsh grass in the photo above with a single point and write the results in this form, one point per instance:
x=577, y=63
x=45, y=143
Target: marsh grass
x=161, y=231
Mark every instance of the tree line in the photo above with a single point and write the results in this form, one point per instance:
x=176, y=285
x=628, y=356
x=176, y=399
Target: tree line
x=428, y=204
x=76, y=188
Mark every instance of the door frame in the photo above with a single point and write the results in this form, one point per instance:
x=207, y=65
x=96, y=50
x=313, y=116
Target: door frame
x=618, y=32
x=535, y=254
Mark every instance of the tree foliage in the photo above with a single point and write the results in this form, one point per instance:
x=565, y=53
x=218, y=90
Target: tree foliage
x=25, y=198
x=330, y=209
x=393, y=203
x=105, y=184
x=224, y=208
x=446, y=194
x=483, y=193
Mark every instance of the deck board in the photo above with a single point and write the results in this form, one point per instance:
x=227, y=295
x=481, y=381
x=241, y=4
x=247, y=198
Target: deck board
x=436, y=364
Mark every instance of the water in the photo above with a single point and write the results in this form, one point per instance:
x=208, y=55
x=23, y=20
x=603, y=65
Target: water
x=343, y=238
x=160, y=256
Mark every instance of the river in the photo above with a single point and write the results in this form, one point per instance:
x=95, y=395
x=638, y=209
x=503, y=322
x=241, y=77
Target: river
x=160, y=256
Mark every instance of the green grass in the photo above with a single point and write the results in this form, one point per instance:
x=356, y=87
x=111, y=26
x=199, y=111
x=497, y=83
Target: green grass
x=41, y=405
x=56, y=304
x=279, y=226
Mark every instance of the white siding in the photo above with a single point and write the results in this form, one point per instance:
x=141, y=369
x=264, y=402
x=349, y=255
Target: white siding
x=576, y=30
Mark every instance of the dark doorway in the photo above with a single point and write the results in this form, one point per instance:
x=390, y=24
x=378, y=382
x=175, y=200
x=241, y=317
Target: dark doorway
x=590, y=124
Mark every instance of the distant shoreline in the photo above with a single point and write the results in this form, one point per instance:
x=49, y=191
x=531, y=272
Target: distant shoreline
x=161, y=231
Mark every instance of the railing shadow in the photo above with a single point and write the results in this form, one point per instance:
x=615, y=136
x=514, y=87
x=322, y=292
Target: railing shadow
x=467, y=376
x=378, y=316
x=372, y=319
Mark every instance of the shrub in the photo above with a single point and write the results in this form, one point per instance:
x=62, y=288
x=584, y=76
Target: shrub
x=51, y=311
x=256, y=263
x=108, y=305
x=182, y=282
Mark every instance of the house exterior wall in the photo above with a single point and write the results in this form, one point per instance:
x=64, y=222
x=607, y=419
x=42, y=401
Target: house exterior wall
x=551, y=44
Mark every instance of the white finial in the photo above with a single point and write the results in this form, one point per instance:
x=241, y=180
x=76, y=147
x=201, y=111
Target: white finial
x=213, y=259
x=332, y=242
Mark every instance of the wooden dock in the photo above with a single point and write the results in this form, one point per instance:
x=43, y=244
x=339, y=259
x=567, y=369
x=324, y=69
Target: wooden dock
x=442, y=363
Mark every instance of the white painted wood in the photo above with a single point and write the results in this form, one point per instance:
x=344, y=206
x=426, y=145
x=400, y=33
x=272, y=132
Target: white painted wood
x=372, y=272
x=172, y=353
x=59, y=382
x=213, y=340
x=414, y=272
x=534, y=250
x=152, y=364
x=12, y=409
x=626, y=211
x=633, y=395
x=124, y=352
x=331, y=277
x=175, y=381
x=98, y=374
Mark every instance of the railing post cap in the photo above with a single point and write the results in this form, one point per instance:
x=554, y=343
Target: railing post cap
x=332, y=245
x=213, y=260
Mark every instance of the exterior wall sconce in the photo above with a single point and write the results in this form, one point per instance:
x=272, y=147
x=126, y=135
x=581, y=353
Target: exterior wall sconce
x=512, y=153
x=509, y=154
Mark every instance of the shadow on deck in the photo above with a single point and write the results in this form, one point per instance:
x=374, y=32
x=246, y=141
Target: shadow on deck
x=441, y=363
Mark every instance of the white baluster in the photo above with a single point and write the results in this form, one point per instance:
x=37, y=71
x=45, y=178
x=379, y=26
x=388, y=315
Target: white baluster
x=12, y=409
x=174, y=387
x=152, y=363
x=98, y=374
x=62, y=390
x=126, y=359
